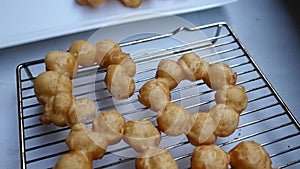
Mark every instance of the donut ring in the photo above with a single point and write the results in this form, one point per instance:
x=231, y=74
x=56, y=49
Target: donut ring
x=220, y=121
x=54, y=89
x=55, y=84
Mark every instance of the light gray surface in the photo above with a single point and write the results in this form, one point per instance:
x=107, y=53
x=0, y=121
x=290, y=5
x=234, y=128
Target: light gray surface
x=269, y=29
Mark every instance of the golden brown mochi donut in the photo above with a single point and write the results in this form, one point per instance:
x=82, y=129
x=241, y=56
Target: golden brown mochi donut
x=202, y=132
x=155, y=94
x=174, y=120
x=95, y=3
x=84, y=111
x=226, y=118
x=57, y=109
x=84, y=51
x=209, y=157
x=118, y=83
x=249, y=155
x=234, y=96
x=75, y=160
x=61, y=62
x=111, y=124
x=141, y=134
x=193, y=66
x=155, y=158
x=132, y=3
x=105, y=49
x=171, y=71
x=83, y=138
x=50, y=83
x=219, y=76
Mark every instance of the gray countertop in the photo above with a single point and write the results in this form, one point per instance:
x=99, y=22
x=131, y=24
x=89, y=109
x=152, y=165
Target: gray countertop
x=269, y=29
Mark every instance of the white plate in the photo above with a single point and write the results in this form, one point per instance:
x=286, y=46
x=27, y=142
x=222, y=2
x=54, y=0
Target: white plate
x=33, y=20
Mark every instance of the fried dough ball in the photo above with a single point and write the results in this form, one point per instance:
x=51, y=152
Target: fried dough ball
x=209, y=157
x=193, y=66
x=84, y=51
x=130, y=66
x=141, y=134
x=226, y=118
x=117, y=58
x=83, y=138
x=174, y=120
x=155, y=94
x=63, y=109
x=95, y=3
x=75, y=160
x=219, y=76
x=202, y=132
x=105, y=49
x=120, y=69
x=111, y=124
x=50, y=83
x=171, y=71
x=132, y=3
x=61, y=62
x=124, y=60
x=155, y=158
x=57, y=109
x=249, y=155
x=234, y=96
x=118, y=83
x=85, y=111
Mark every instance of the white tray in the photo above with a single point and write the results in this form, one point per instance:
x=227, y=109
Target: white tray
x=33, y=20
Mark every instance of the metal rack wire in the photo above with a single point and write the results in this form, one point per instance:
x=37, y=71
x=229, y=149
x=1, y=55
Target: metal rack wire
x=267, y=119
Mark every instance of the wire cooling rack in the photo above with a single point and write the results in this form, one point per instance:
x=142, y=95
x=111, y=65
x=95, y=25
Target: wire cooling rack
x=267, y=120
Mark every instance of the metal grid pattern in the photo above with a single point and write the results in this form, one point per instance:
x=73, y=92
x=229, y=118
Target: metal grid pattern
x=266, y=120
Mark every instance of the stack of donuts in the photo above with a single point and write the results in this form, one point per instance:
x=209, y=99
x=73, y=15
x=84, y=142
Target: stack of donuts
x=95, y=3
x=200, y=127
x=54, y=90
